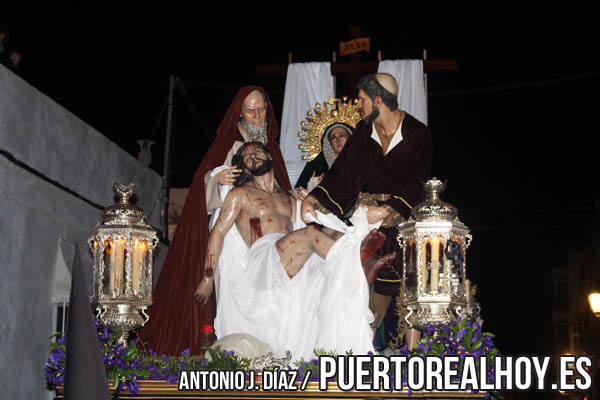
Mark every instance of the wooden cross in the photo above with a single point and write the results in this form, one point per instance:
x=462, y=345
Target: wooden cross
x=356, y=68
x=350, y=72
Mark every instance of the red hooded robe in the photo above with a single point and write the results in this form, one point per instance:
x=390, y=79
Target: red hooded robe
x=176, y=319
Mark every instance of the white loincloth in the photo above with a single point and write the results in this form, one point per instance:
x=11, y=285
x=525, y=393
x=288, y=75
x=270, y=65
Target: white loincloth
x=344, y=305
x=324, y=306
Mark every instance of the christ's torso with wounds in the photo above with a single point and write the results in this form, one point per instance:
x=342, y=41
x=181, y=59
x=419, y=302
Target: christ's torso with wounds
x=256, y=213
x=261, y=213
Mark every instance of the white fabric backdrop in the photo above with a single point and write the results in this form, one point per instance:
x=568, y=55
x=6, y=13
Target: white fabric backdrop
x=411, y=86
x=306, y=85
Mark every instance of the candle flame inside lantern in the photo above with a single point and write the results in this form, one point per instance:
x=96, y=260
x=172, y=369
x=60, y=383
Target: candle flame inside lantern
x=117, y=258
x=137, y=263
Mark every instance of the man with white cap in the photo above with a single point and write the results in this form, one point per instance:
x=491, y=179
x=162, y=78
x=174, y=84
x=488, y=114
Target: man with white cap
x=382, y=166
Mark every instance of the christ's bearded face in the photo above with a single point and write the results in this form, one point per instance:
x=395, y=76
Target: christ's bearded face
x=256, y=160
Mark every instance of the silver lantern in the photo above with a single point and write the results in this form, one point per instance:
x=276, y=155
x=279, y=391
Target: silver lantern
x=122, y=247
x=433, y=243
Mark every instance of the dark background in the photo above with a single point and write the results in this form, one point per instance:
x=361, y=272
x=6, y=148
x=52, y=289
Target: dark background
x=514, y=127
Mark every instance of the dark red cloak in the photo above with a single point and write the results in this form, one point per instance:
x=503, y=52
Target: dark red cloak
x=176, y=319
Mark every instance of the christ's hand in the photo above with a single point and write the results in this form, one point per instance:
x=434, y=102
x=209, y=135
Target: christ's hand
x=204, y=290
x=308, y=207
x=376, y=214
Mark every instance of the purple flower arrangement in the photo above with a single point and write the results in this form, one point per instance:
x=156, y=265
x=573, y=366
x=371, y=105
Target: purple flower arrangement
x=55, y=366
x=126, y=367
x=460, y=338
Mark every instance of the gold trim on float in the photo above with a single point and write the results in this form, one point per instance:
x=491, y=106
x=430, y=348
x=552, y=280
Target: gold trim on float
x=160, y=390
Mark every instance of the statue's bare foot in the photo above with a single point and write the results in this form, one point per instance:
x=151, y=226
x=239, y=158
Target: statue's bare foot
x=370, y=244
x=376, y=264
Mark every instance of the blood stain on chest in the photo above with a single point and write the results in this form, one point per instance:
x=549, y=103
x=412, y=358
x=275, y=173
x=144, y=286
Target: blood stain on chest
x=255, y=226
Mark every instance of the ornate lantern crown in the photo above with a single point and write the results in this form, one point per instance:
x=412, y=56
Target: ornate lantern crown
x=433, y=208
x=124, y=213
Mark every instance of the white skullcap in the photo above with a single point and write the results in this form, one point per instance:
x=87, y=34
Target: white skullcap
x=388, y=82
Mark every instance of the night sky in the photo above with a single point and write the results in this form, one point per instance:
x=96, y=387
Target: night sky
x=514, y=128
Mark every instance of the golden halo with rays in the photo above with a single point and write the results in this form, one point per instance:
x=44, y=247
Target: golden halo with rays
x=333, y=111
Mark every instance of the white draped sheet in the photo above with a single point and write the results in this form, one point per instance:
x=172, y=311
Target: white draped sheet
x=306, y=85
x=412, y=97
x=324, y=306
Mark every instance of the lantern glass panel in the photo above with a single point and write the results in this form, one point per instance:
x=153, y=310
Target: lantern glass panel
x=411, y=268
x=115, y=265
x=138, y=265
x=145, y=269
x=443, y=269
x=122, y=272
x=96, y=254
x=435, y=271
x=454, y=254
x=426, y=278
x=106, y=254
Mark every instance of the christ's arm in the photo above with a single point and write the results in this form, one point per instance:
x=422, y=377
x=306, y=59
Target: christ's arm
x=229, y=212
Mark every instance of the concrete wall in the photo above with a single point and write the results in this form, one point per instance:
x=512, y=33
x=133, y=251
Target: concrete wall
x=38, y=219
